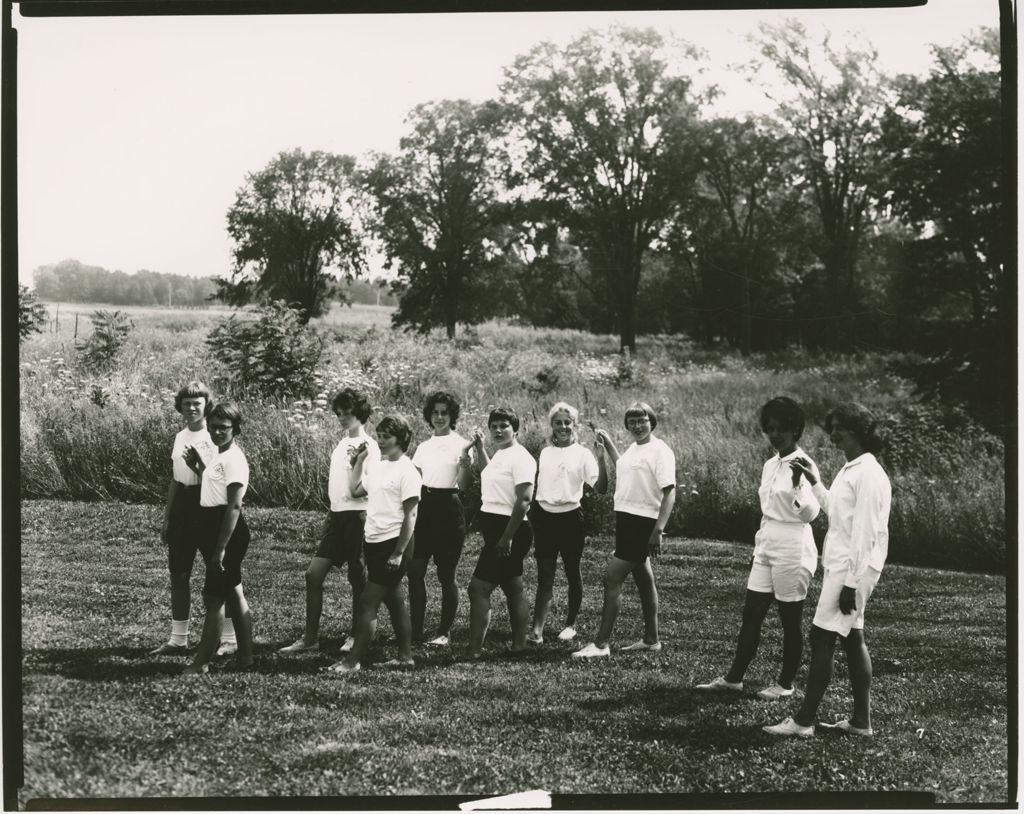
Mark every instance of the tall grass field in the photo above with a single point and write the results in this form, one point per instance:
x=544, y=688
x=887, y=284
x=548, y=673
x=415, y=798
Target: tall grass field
x=86, y=436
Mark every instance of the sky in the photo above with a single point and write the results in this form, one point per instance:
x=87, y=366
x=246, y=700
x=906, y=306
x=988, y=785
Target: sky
x=134, y=134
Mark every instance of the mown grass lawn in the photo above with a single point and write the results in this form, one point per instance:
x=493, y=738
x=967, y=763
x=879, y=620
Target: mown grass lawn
x=104, y=720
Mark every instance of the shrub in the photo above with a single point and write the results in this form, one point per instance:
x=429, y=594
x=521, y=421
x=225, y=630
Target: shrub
x=274, y=355
x=110, y=331
x=31, y=313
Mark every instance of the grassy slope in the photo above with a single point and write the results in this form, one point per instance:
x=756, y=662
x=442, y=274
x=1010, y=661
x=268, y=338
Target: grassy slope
x=102, y=719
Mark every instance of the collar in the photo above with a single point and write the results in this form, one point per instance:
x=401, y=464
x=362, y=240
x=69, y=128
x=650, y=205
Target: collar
x=864, y=456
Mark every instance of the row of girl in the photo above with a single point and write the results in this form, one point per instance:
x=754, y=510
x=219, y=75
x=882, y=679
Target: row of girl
x=390, y=515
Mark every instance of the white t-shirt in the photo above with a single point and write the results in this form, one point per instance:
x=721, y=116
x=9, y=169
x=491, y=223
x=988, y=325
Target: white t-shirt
x=438, y=458
x=203, y=445
x=858, y=505
x=785, y=535
x=222, y=469
x=561, y=474
x=339, y=490
x=507, y=469
x=388, y=485
x=641, y=473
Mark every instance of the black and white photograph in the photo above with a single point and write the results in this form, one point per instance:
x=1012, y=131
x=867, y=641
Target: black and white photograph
x=525, y=409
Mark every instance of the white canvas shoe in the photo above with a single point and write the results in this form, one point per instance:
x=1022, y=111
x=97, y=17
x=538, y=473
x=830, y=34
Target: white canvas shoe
x=641, y=646
x=721, y=684
x=350, y=642
x=592, y=651
x=568, y=634
x=775, y=693
x=790, y=728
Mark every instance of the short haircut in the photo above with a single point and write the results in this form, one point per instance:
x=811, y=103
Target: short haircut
x=194, y=390
x=352, y=401
x=859, y=420
x=397, y=427
x=786, y=412
x=441, y=397
x=637, y=409
x=504, y=414
x=564, y=407
x=230, y=411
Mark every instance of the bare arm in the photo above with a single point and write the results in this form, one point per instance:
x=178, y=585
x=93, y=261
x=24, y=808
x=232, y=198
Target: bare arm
x=355, y=474
x=409, y=507
x=172, y=492
x=227, y=526
x=524, y=494
x=668, y=500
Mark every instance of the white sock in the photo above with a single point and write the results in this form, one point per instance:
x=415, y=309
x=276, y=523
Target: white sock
x=227, y=631
x=179, y=632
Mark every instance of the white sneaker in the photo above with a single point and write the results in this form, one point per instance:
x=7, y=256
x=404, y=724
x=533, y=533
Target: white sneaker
x=342, y=667
x=533, y=638
x=721, y=684
x=439, y=641
x=300, y=646
x=349, y=644
x=848, y=728
x=227, y=648
x=640, y=646
x=775, y=693
x=592, y=651
x=790, y=728
x=568, y=634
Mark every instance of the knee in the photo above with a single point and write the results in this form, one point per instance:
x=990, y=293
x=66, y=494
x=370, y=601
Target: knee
x=478, y=592
x=314, y=578
x=612, y=585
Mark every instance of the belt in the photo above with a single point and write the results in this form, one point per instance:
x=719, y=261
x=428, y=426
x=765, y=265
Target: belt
x=187, y=485
x=433, y=490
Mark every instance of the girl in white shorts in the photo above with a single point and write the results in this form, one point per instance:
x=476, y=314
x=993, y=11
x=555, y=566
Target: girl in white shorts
x=785, y=557
x=854, y=553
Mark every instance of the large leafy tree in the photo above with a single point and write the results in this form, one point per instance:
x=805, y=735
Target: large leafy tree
x=294, y=230
x=748, y=170
x=607, y=126
x=831, y=100
x=435, y=209
x=946, y=129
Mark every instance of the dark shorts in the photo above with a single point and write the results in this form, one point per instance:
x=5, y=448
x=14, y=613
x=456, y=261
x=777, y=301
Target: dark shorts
x=341, y=540
x=377, y=563
x=557, y=533
x=183, y=530
x=222, y=583
x=492, y=568
x=632, y=534
x=440, y=527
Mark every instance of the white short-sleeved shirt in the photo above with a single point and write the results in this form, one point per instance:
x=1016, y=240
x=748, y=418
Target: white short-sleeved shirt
x=507, y=469
x=388, y=485
x=438, y=459
x=785, y=535
x=222, y=469
x=203, y=445
x=561, y=473
x=641, y=473
x=339, y=490
x=858, y=504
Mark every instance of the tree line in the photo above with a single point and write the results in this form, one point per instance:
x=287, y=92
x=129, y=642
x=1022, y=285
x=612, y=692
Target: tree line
x=597, y=192
x=73, y=281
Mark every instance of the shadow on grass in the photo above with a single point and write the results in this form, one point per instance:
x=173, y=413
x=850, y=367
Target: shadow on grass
x=715, y=736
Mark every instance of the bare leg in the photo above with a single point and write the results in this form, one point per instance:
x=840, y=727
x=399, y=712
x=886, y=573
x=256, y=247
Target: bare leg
x=643, y=576
x=791, y=614
x=315, y=576
x=823, y=645
x=518, y=611
x=479, y=614
x=858, y=660
x=398, y=607
x=417, y=596
x=449, y=596
x=614, y=575
x=366, y=622
x=210, y=639
x=545, y=586
x=243, y=626
x=755, y=608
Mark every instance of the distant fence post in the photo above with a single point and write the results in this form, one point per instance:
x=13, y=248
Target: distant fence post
x=56, y=323
x=76, y=324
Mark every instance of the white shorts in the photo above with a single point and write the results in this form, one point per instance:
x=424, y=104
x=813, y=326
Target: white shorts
x=788, y=582
x=828, y=616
